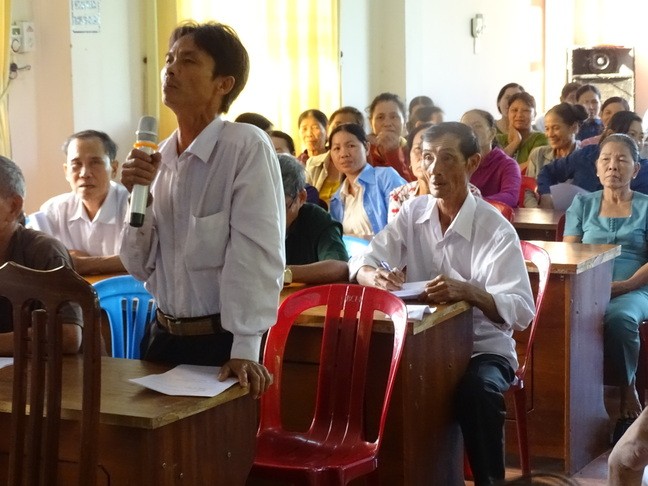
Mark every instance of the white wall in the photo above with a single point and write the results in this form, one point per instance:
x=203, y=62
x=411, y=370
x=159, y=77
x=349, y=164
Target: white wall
x=76, y=81
x=410, y=47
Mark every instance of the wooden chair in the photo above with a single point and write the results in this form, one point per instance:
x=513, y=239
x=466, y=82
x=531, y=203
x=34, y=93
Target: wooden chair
x=333, y=450
x=37, y=381
x=540, y=258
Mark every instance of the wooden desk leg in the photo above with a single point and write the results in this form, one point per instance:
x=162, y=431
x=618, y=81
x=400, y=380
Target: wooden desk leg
x=422, y=443
x=567, y=417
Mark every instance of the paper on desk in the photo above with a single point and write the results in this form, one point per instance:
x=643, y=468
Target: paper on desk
x=4, y=362
x=410, y=290
x=187, y=380
x=563, y=194
x=416, y=312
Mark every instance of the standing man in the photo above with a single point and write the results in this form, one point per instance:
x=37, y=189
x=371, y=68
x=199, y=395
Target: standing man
x=465, y=250
x=211, y=249
x=88, y=220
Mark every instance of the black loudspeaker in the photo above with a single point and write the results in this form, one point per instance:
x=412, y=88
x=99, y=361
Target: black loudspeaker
x=611, y=69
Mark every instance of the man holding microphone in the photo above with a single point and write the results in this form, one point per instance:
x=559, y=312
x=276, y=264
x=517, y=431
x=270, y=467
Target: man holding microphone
x=211, y=246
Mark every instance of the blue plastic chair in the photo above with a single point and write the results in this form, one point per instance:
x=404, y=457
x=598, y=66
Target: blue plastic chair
x=129, y=307
x=354, y=245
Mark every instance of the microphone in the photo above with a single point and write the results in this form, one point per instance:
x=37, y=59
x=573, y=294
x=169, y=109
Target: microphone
x=146, y=142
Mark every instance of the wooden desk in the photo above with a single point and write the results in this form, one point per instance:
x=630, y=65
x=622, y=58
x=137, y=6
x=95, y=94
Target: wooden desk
x=422, y=442
x=536, y=223
x=147, y=438
x=567, y=419
x=102, y=276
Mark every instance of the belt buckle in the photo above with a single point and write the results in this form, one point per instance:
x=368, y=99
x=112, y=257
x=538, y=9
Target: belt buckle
x=175, y=325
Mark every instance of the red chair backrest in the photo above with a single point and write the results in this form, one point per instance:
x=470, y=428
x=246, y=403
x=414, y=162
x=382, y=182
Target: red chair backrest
x=528, y=184
x=347, y=331
x=540, y=258
x=505, y=209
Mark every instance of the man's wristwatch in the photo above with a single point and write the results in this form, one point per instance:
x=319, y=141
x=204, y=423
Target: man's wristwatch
x=287, y=276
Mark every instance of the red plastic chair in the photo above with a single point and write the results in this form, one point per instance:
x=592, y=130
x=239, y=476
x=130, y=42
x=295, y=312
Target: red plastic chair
x=333, y=450
x=528, y=184
x=540, y=258
x=505, y=209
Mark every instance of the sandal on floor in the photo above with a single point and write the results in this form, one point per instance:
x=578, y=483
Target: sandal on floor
x=620, y=428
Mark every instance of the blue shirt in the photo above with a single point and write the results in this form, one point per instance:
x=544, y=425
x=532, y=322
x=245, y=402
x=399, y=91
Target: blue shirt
x=590, y=128
x=580, y=166
x=631, y=232
x=377, y=183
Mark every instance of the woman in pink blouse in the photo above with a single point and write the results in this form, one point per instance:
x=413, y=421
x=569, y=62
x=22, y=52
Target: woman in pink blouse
x=497, y=176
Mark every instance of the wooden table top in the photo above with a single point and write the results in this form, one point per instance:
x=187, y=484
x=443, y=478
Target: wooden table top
x=536, y=218
x=575, y=258
x=382, y=322
x=102, y=276
x=123, y=402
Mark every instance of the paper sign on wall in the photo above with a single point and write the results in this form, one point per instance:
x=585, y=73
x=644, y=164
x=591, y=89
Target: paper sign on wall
x=86, y=16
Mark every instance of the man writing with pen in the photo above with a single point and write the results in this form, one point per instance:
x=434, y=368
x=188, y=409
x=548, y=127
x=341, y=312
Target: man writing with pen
x=462, y=249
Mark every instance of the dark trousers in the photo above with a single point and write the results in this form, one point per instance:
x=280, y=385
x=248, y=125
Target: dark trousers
x=481, y=411
x=208, y=350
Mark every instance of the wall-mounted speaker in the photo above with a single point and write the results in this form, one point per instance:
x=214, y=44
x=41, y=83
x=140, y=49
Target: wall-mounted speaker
x=610, y=68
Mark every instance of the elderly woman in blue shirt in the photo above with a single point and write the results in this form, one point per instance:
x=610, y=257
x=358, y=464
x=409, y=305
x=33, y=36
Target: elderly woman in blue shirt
x=361, y=202
x=618, y=215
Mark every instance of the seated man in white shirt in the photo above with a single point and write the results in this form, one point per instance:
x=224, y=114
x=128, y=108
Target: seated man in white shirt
x=88, y=220
x=465, y=250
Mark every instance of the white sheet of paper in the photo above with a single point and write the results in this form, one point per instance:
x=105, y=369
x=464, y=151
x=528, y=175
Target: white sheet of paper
x=416, y=312
x=4, y=362
x=410, y=290
x=563, y=194
x=187, y=380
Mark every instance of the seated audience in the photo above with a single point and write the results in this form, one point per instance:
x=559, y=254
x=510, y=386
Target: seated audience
x=520, y=138
x=567, y=95
x=88, y=220
x=255, y=119
x=414, y=104
x=465, y=250
x=315, y=252
x=346, y=114
x=312, y=130
x=609, y=107
x=497, y=176
x=283, y=143
x=320, y=171
x=32, y=249
x=360, y=203
x=561, y=124
x=629, y=457
x=589, y=97
x=387, y=146
x=503, y=98
x=427, y=114
x=579, y=167
x=618, y=215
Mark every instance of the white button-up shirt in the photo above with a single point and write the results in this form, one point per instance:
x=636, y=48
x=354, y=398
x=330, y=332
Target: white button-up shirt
x=213, y=239
x=479, y=247
x=66, y=219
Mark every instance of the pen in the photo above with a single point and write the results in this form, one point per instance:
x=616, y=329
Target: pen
x=386, y=266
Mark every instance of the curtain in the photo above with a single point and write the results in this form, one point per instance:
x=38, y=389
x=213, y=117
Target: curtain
x=5, y=33
x=293, y=47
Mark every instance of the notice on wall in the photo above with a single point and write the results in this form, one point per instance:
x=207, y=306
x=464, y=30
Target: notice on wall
x=86, y=16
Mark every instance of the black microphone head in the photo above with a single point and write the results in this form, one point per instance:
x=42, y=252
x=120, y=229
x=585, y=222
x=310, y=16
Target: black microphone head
x=147, y=129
